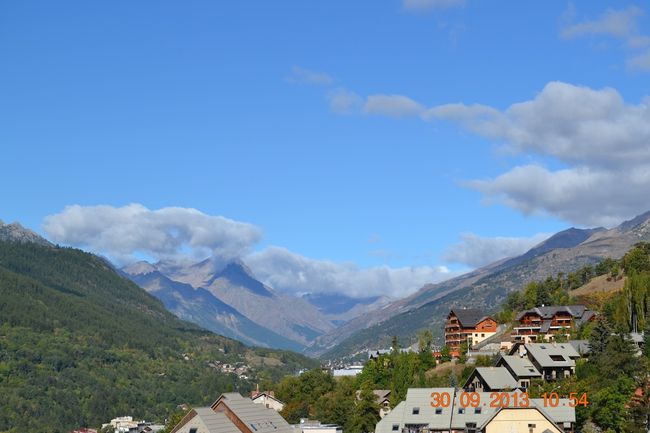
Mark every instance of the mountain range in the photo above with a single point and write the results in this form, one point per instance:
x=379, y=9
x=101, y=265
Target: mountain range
x=229, y=300
x=484, y=288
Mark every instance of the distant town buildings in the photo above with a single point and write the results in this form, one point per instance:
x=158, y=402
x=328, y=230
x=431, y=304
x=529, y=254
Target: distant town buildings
x=544, y=323
x=126, y=424
x=468, y=325
x=351, y=370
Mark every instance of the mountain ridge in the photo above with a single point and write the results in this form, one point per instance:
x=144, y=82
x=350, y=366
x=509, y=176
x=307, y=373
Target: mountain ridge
x=485, y=287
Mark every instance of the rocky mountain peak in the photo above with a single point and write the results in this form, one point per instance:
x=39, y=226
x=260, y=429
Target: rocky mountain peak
x=15, y=232
x=139, y=268
x=641, y=222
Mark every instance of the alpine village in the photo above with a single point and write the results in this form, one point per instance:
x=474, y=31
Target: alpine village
x=84, y=349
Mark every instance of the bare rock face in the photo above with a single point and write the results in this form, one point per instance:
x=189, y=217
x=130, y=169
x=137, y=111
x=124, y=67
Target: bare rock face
x=15, y=232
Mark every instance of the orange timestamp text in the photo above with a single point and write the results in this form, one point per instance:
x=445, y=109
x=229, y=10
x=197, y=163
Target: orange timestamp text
x=506, y=399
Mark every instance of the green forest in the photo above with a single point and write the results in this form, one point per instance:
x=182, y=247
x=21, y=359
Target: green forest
x=80, y=344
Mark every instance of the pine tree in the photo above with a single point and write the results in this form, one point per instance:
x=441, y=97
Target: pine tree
x=600, y=335
x=365, y=414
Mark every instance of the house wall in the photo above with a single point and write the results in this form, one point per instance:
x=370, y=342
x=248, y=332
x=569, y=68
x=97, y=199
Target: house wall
x=269, y=402
x=518, y=421
x=455, y=335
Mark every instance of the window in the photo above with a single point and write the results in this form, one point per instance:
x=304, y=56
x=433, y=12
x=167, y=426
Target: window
x=477, y=410
x=542, y=347
x=531, y=428
x=557, y=358
x=194, y=430
x=461, y=410
x=395, y=427
x=482, y=335
x=438, y=410
x=253, y=427
x=416, y=411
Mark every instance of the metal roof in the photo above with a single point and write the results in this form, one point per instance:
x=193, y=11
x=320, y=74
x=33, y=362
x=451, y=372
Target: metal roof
x=418, y=400
x=213, y=421
x=522, y=367
x=461, y=417
x=258, y=418
x=496, y=378
x=542, y=353
x=579, y=312
x=452, y=417
x=469, y=317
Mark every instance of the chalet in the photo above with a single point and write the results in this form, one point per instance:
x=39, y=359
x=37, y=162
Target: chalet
x=415, y=415
x=484, y=379
x=232, y=413
x=382, y=399
x=268, y=399
x=468, y=325
x=543, y=323
x=519, y=367
x=552, y=360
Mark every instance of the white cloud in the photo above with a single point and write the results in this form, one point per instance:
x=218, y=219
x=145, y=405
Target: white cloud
x=171, y=232
x=342, y=101
x=292, y=272
x=392, y=106
x=423, y=5
x=305, y=76
x=185, y=235
x=599, y=140
x=602, y=139
x=616, y=23
x=476, y=251
x=571, y=123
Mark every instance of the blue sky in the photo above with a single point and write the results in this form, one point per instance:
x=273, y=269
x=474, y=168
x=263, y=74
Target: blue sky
x=327, y=126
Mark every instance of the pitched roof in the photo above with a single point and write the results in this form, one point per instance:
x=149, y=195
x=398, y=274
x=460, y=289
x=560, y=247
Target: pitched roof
x=541, y=410
x=258, y=418
x=543, y=353
x=578, y=312
x=418, y=398
x=581, y=346
x=469, y=317
x=496, y=377
x=381, y=394
x=453, y=418
x=520, y=366
x=558, y=415
x=216, y=422
x=460, y=418
x=266, y=394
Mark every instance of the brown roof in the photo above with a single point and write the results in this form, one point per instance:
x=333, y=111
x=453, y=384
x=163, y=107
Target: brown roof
x=469, y=317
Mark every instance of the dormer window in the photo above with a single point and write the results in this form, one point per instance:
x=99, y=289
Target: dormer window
x=416, y=411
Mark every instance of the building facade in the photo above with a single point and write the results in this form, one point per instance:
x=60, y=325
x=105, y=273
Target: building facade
x=544, y=323
x=468, y=325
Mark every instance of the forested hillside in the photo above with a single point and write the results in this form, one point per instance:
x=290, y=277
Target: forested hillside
x=79, y=344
